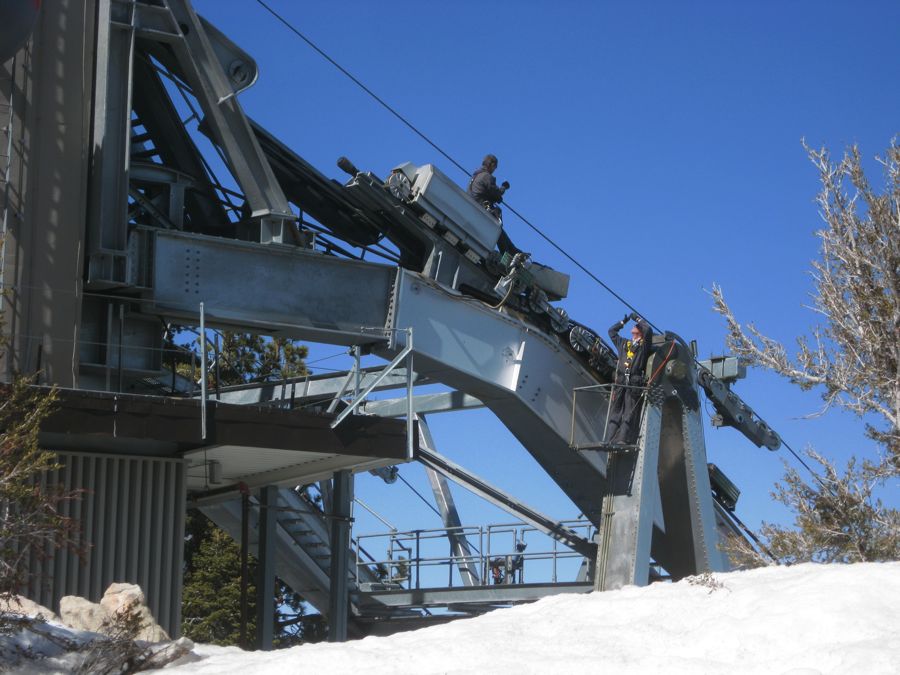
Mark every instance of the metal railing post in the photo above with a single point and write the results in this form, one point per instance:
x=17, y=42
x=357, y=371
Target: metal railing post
x=202, y=373
x=409, y=395
x=218, y=370
x=418, y=553
x=357, y=357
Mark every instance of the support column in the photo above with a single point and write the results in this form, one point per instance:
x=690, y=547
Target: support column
x=339, y=599
x=629, y=510
x=265, y=583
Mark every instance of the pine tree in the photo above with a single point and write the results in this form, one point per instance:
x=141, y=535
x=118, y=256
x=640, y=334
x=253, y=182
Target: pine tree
x=31, y=525
x=211, y=595
x=211, y=599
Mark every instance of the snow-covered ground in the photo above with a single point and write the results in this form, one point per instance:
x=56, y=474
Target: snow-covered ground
x=802, y=620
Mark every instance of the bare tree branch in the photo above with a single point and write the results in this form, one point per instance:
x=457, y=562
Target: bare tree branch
x=853, y=358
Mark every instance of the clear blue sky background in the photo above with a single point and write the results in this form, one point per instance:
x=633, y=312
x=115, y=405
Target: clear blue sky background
x=657, y=142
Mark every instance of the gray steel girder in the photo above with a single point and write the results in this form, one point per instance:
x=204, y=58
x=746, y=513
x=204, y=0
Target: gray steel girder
x=316, y=387
x=523, y=375
x=349, y=305
x=111, y=139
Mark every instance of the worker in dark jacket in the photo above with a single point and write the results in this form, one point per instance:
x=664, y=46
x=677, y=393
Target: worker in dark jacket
x=626, y=395
x=484, y=190
x=483, y=186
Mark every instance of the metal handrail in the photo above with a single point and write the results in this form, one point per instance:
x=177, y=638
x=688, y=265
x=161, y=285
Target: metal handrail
x=602, y=388
x=414, y=542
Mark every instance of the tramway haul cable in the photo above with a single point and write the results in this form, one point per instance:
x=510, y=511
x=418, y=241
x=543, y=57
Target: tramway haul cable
x=459, y=166
x=445, y=154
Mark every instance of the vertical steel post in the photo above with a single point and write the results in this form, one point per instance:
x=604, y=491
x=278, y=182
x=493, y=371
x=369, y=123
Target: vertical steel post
x=418, y=536
x=218, y=371
x=357, y=356
x=108, y=356
x=265, y=582
x=202, y=373
x=121, y=384
x=245, y=565
x=172, y=354
x=410, y=422
x=339, y=597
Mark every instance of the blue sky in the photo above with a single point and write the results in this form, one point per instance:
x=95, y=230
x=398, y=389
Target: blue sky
x=657, y=142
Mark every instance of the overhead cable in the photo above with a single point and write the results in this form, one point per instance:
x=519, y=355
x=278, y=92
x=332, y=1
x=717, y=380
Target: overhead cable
x=358, y=83
x=459, y=166
x=446, y=155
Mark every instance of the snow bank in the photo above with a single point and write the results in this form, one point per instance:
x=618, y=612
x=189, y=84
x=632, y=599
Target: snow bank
x=807, y=620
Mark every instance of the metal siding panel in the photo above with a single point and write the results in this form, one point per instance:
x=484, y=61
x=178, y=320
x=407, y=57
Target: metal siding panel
x=132, y=513
x=155, y=550
x=123, y=515
x=77, y=566
x=163, y=591
x=99, y=533
x=111, y=513
x=64, y=478
x=45, y=561
x=87, y=539
x=174, y=626
x=146, y=513
x=134, y=530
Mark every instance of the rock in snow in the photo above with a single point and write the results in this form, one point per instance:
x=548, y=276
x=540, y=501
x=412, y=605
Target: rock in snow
x=21, y=605
x=82, y=614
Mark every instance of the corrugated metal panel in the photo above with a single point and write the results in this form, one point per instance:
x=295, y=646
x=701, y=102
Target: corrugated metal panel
x=131, y=515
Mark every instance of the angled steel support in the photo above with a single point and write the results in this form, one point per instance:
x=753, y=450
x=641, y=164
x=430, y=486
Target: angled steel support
x=508, y=503
x=403, y=355
x=466, y=561
x=230, y=126
x=352, y=375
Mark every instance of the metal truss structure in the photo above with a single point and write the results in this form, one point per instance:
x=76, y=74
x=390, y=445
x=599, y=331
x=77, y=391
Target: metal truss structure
x=131, y=214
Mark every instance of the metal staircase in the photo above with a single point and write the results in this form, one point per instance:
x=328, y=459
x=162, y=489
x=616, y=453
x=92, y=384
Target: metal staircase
x=302, y=545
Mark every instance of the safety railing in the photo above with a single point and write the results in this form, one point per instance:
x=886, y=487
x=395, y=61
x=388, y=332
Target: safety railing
x=607, y=391
x=124, y=359
x=418, y=559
